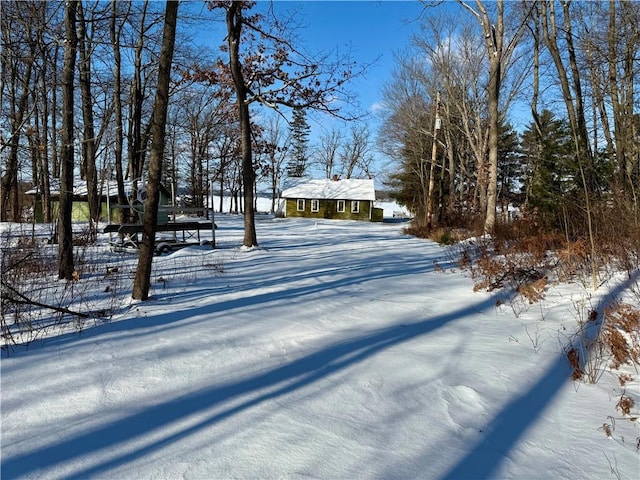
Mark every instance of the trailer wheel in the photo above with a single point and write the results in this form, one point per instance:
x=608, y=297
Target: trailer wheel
x=163, y=248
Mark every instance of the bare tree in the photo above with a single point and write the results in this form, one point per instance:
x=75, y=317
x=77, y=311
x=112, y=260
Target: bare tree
x=235, y=22
x=18, y=57
x=280, y=75
x=203, y=114
x=276, y=146
x=326, y=153
x=140, y=118
x=623, y=47
x=135, y=141
x=65, y=233
x=456, y=69
x=403, y=135
x=494, y=45
x=501, y=38
x=116, y=25
x=226, y=148
x=572, y=93
x=571, y=85
x=47, y=160
x=437, y=126
x=89, y=143
x=143, y=271
x=355, y=152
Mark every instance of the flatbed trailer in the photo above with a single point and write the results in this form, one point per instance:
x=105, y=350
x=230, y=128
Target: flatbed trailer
x=127, y=239
x=128, y=235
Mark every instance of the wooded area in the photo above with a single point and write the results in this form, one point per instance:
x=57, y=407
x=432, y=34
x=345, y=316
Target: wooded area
x=79, y=79
x=575, y=168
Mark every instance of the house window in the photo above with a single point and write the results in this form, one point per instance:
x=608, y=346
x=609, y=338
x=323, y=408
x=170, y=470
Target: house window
x=340, y=206
x=315, y=205
x=355, y=206
x=300, y=205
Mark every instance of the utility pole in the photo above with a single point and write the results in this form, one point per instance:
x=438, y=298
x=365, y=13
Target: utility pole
x=434, y=151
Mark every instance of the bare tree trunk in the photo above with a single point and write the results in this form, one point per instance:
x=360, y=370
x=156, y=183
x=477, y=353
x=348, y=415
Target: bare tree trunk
x=535, y=32
x=498, y=55
x=9, y=200
x=88, y=134
x=115, y=33
x=221, y=189
x=234, y=30
x=494, y=35
x=354, y=150
x=44, y=177
x=55, y=161
x=135, y=117
x=161, y=103
x=450, y=207
x=432, y=170
x=65, y=234
x=621, y=88
x=572, y=92
x=570, y=95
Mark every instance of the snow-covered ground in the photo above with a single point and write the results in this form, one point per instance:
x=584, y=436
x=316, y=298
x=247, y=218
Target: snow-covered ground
x=335, y=350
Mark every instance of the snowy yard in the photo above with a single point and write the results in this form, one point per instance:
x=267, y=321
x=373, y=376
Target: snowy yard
x=336, y=350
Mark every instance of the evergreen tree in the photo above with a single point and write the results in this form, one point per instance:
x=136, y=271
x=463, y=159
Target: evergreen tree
x=551, y=171
x=297, y=164
x=509, y=164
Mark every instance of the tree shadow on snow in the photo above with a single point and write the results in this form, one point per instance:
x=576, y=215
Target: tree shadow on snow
x=336, y=276
x=134, y=433
x=521, y=413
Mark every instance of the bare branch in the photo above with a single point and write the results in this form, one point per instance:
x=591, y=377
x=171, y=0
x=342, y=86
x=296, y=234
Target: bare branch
x=24, y=300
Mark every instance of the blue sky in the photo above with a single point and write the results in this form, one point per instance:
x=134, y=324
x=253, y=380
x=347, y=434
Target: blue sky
x=372, y=30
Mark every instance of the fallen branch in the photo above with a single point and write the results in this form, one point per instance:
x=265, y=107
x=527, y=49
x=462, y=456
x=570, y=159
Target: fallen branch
x=24, y=300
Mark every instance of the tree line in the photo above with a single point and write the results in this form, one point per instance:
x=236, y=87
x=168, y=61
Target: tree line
x=569, y=67
x=114, y=85
x=82, y=92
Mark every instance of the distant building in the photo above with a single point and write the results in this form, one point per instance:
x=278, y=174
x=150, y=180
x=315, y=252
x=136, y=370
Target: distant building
x=80, y=209
x=350, y=199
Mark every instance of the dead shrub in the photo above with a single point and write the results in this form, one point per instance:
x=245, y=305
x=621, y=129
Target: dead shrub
x=572, y=258
x=574, y=252
x=533, y=291
x=491, y=272
x=86, y=236
x=35, y=302
x=625, y=404
x=624, y=378
x=621, y=334
x=525, y=225
x=515, y=268
x=465, y=260
x=574, y=362
x=420, y=231
x=441, y=234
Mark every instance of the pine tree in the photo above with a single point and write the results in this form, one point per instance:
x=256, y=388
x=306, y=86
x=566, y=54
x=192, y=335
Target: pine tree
x=510, y=168
x=297, y=164
x=551, y=171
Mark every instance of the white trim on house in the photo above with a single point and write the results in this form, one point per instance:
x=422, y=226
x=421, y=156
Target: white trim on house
x=355, y=206
x=315, y=205
x=340, y=206
x=300, y=204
